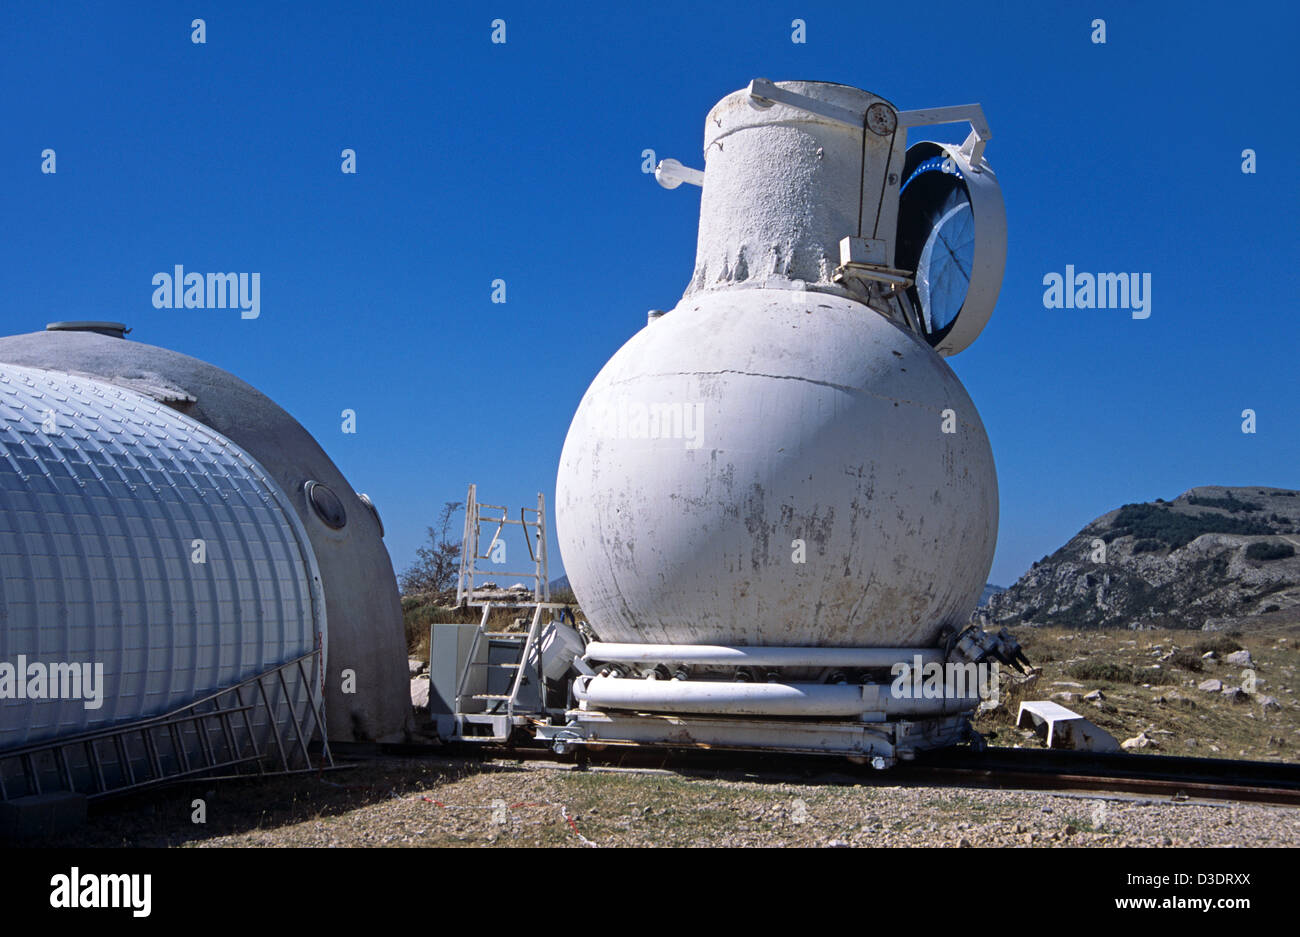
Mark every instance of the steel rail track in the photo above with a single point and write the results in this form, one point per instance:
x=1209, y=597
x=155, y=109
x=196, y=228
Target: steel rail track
x=1154, y=776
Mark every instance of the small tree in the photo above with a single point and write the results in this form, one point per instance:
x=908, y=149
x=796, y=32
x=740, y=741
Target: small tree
x=438, y=563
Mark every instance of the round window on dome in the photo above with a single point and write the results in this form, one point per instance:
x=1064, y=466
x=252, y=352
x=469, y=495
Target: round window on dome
x=326, y=504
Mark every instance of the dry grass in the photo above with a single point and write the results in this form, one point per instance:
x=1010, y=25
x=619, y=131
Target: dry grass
x=1149, y=680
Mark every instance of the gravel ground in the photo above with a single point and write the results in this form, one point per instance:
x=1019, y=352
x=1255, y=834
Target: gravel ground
x=450, y=802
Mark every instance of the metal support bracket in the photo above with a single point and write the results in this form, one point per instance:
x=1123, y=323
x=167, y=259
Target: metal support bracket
x=862, y=259
x=973, y=114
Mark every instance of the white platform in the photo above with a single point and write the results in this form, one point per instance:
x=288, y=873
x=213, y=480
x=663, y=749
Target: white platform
x=1065, y=728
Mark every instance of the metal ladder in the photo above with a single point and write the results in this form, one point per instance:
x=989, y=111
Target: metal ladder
x=476, y=515
x=212, y=734
x=500, y=712
x=501, y=722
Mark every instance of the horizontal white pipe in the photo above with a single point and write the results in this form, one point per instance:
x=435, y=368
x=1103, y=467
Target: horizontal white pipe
x=754, y=699
x=721, y=655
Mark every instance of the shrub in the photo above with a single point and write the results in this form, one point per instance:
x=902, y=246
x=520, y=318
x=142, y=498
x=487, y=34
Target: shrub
x=1156, y=676
x=1229, y=504
x=1100, y=670
x=1187, y=659
x=1107, y=672
x=1153, y=522
x=1265, y=550
x=1219, y=644
x=1147, y=546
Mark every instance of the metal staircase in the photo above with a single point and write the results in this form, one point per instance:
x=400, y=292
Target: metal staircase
x=468, y=589
x=499, y=687
x=496, y=712
x=235, y=730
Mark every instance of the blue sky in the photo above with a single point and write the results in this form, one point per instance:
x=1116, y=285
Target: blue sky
x=523, y=161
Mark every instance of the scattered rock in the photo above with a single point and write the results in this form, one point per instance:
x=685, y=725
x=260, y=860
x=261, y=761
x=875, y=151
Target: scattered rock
x=1139, y=741
x=1209, y=655
x=416, y=667
x=1211, y=686
x=1239, y=659
x=420, y=692
x=1235, y=694
x=1095, y=696
x=1267, y=702
x=1064, y=697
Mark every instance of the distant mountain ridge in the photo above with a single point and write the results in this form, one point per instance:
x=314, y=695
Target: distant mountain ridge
x=1213, y=557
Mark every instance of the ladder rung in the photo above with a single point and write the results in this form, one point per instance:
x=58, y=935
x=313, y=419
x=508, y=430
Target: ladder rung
x=483, y=663
x=491, y=696
x=497, y=635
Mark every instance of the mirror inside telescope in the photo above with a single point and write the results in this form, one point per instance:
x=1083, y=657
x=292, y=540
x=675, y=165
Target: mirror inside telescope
x=936, y=239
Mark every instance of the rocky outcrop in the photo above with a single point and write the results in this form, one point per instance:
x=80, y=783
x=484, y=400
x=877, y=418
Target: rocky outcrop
x=1211, y=558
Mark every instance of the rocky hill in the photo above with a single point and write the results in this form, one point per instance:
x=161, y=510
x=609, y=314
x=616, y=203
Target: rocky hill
x=1212, y=558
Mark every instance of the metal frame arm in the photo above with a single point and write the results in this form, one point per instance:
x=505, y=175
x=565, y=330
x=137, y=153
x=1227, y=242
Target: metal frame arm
x=973, y=114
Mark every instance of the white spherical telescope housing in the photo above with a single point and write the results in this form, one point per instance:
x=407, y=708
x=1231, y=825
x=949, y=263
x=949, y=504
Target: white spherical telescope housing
x=785, y=458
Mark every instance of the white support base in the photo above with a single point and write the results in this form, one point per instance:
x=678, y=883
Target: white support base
x=882, y=743
x=499, y=726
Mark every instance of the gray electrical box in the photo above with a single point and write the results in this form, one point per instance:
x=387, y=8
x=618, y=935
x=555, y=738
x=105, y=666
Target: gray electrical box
x=449, y=648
